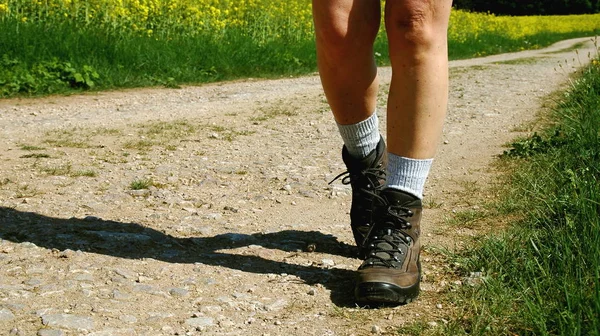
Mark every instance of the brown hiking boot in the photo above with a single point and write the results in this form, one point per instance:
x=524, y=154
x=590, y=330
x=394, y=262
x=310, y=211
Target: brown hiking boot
x=367, y=178
x=391, y=272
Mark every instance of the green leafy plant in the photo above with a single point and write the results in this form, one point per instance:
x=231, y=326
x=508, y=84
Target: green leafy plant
x=43, y=77
x=140, y=184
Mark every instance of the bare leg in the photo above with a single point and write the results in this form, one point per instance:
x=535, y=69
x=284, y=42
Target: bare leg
x=345, y=33
x=418, y=95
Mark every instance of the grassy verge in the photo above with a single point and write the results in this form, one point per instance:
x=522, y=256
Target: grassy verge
x=541, y=276
x=39, y=66
x=76, y=56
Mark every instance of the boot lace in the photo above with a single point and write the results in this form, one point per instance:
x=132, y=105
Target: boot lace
x=387, y=241
x=373, y=176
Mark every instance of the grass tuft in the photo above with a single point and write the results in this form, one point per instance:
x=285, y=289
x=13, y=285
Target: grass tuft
x=140, y=184
x=542, y=275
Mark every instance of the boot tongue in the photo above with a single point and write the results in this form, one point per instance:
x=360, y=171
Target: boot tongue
x=354, y=164
x=397, y=197
x=384, y=245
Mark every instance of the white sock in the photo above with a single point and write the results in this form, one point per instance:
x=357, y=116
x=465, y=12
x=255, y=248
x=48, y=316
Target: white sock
x=361, y=138
x=408, y=175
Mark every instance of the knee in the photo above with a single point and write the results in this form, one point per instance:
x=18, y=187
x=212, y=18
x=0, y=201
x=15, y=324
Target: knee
x=414, y=24
x=342, y=41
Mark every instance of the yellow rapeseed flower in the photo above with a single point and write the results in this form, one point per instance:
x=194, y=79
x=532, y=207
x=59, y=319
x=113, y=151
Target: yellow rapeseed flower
x=263, y=20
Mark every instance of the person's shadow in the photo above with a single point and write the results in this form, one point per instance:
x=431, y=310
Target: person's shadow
x=134, y=241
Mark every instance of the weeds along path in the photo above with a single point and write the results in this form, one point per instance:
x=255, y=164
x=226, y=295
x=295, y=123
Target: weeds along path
x=207, y=209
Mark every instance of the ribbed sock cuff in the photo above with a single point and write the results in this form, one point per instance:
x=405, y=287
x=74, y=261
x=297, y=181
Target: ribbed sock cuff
x=408, y=175
x=361, y=138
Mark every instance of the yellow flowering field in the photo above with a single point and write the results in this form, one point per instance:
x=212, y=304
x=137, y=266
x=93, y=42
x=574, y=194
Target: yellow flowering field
x=132, y=43
x=465, y=26
x=261, y=18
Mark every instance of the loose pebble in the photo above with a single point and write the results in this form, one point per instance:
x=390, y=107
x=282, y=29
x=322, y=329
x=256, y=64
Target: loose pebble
x=68, y=321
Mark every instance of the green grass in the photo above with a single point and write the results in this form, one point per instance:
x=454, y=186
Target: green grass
x=522, y=61
x=571, y=48
x=74, y=58
x=129, y=60
x=542, y=274
x=491, y=44
x=140, y=184
x=84, y=173
x=35, y=156
x=68, y=138
x=275, y=110
x=31, y=148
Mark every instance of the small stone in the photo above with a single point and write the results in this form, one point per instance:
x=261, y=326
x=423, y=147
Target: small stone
x=439, y=306
x=211, y=309
x=128, y=318
x=127, y=274
x=241, y=296
x=6, y=315
x=376, y=329
x=16, y=332
x=85, y=277
x=227, y=323
x=446, y=142
x=179, y=292
x=277, y=305
x=68, y=253
x=143, y=278
x=43, y=311
x=432, y=324
x=312, y=291
x=14, y=307
x=213, y=216
x=139, y=193
x=191, y=210
x=232, y=209
x=68, y=321
x=474, y=279
x=34, y=282
x=200, y=322
x=328, y=262
x=50, y=332
x=277, y=323
x=157, y=316
x=118, y=295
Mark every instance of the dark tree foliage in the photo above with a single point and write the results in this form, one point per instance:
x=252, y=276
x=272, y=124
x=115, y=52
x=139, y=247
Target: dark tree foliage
x=530, y=7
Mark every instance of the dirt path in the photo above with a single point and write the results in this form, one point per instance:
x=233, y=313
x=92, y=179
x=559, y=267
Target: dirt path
x=232, y=183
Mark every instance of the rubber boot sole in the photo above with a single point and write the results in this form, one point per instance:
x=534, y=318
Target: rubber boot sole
x=381, y=293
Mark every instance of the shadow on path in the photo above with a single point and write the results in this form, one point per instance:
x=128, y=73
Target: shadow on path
x=134, y=241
